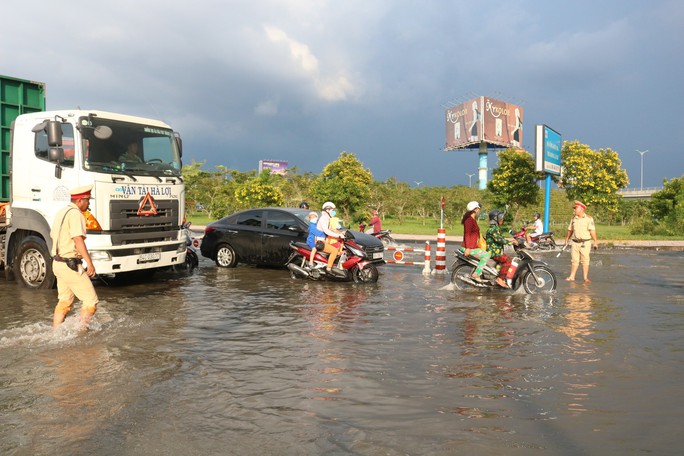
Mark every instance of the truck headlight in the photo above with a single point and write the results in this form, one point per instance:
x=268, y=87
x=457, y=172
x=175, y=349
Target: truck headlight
x=181, y=248
x=100, y=255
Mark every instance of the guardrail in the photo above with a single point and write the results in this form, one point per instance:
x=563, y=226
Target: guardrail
x=399, y=256
x=638, y=192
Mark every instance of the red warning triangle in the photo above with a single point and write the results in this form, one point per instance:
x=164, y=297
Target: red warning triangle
x=147, y=206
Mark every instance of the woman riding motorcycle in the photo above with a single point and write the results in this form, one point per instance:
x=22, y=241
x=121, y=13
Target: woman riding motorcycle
x=471, y=236
x=328, y=211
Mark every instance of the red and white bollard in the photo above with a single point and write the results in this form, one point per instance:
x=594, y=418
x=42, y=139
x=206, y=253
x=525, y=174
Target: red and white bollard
x=426, y=267
x=440, y=257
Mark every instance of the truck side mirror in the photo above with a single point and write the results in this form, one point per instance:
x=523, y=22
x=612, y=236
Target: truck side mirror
x=179, y=143
x=56, y=155
x=54, y=134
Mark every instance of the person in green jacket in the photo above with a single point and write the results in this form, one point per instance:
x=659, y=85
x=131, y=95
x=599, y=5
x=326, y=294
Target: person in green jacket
x=495, y=246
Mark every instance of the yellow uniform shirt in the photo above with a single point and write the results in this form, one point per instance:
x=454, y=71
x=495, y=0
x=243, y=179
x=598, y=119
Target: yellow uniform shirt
x=69, y=223
x=580, y=226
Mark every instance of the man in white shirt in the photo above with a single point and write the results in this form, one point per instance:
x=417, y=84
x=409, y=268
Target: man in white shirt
x=537, y=226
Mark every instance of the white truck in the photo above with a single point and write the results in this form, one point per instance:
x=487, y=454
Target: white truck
x=136, y=213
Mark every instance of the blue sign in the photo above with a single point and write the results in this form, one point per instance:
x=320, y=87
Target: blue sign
x=548, y=144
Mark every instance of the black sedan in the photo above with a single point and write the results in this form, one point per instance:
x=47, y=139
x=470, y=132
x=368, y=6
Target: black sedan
x=262, y=236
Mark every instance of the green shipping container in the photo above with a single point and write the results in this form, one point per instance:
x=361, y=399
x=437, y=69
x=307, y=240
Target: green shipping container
x=17, y=96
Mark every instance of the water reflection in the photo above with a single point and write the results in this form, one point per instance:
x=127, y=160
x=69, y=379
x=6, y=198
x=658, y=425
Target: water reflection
x=249, y=361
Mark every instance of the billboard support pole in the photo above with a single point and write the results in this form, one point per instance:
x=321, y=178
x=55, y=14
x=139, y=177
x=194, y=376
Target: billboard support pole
x=483, y=165
x=547, y=202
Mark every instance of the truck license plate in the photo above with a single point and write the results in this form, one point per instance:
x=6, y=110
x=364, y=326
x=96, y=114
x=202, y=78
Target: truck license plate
x=377, y=255
x=147, y=257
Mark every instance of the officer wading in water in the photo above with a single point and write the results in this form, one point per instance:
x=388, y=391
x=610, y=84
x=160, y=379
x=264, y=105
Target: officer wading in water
x=68, y=253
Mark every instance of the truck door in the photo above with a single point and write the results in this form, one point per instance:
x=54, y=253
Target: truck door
x=34, y=184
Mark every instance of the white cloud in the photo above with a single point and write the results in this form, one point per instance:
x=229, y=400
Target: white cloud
x=299, y=52
x=337, y=87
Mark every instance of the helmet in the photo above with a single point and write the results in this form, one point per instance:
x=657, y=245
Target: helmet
x=328, y=205
x=472, y=206
x=537, y=214
x=303, y=205
x=496, y=216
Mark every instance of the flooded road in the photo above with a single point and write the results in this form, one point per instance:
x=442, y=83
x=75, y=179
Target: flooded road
x=250, y=362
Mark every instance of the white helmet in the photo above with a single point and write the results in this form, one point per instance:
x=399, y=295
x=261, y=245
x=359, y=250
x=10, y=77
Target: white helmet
x=328, y=205
x=472, y=206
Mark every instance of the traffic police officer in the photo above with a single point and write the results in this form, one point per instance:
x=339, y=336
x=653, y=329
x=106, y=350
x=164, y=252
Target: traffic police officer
x=68, y=252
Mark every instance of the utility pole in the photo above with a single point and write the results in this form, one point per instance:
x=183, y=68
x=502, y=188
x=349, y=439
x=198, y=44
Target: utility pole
x=470, y=179
x=642, y=152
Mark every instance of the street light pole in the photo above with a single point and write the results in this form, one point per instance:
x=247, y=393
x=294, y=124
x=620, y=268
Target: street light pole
x=470, y=179
x=642, y=152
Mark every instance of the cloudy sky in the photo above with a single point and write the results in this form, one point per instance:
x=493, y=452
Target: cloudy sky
x=303, y=80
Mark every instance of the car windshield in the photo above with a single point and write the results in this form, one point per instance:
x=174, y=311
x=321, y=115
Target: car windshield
x=131, y=149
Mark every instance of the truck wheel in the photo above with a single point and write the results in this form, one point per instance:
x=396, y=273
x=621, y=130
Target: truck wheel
x=33, y=266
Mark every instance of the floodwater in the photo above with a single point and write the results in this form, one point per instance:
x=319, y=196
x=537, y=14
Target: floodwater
x=247, y=361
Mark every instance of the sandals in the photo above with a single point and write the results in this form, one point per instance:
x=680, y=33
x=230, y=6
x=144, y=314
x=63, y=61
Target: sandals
x=476, y=278
x=501, y=282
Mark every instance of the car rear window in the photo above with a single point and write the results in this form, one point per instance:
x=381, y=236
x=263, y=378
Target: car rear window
x=251, y=218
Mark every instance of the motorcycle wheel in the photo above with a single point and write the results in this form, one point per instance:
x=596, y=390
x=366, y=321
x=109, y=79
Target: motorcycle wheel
x=462, y=270
x=547, y=280
x=552, y=244
x=387, y=240
x=369, y=274
x=191, y=260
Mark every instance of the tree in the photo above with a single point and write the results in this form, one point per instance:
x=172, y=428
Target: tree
x=196, y=185
x=295, y=186
x=345, y=182
x=391, y=196
x=514, y=181
x=667, y=206
x=259, y=191
x=593, y=177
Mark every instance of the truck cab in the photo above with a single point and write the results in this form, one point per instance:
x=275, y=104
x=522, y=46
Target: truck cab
x=136, y=211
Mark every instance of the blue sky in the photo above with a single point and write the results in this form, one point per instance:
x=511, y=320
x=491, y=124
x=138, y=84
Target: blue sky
x=302, y=81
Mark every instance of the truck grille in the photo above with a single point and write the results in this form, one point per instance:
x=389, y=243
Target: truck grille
x=127, y=227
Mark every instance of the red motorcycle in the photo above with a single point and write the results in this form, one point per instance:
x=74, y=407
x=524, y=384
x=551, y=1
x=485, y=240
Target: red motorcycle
x=353, y=263
x=543, y=241
x=383, y=235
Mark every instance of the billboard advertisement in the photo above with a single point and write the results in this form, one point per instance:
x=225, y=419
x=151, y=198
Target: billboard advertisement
x=463, y=125
x=276, y=167
x=495, y=122
x=547, y=145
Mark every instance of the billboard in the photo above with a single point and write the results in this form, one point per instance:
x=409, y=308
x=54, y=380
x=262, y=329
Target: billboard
x=495, y=122
x=276, y=167
x=547, y=146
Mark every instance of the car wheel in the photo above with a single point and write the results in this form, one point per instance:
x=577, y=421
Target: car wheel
x=225, y=256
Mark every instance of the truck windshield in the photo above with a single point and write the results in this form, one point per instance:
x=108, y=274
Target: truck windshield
x=131, y=149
